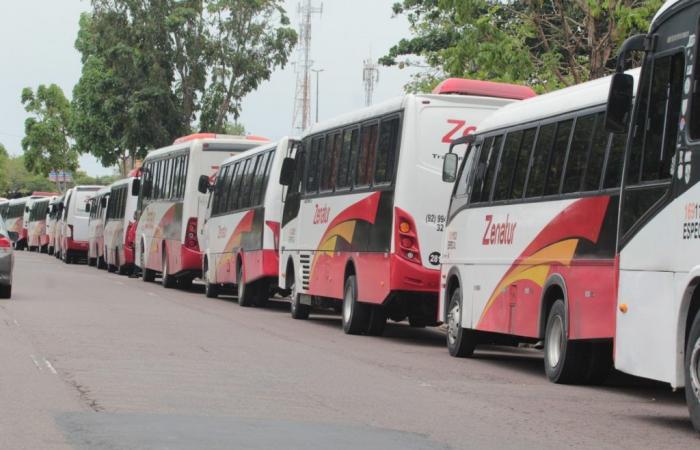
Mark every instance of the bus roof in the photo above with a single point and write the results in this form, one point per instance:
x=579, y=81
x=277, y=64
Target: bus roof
x=665, y=7
x=198, y=136
x=254, y=150
x=241, y=142
x=120, y=182
x=480, y=88
x=573, y=98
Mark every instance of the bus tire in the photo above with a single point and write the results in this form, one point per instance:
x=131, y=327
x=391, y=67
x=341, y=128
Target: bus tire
x=148, y=275
x=168, y=281
x=5, y=291
x=565, y=361
x=355, y=314
x=101, y=264
x=377, y=320
x=92, y=262
x=692, y=373
x=600, y=363
x=461, y=342
x=246, y=292
x=262, y=293
x=298, y=310
x=211, y=290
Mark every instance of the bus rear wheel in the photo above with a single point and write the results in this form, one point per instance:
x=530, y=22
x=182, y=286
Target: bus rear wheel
x=167, y=280
x=565, y=361
x=376, y=322
x=211, y=290
x=355, y=314
x=461, y=342
x=692, y=372
x=246, y=292
x=299, y=310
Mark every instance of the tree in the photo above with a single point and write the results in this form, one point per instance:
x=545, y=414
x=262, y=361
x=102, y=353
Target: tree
x=47, y=144
x=4, y=159
x=19, y=181
x=547, y=44
x=235, y=128
x=249, y=40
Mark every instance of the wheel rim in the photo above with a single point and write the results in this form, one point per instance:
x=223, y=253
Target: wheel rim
x=555, y=340
x=347, y=305
x=695, y=369
x=241, y=285
x=454, y=321
x=165, y=271
x=295, y=297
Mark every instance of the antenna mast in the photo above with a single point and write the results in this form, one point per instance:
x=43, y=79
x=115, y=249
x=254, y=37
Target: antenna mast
x=370, y=76
x=302, y=96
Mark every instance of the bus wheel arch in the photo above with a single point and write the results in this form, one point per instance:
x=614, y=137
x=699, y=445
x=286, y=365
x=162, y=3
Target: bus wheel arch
x=690, y=308
x=454, y=282
x=554, y=289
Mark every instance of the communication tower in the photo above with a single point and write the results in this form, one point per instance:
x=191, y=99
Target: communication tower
x=302, y=96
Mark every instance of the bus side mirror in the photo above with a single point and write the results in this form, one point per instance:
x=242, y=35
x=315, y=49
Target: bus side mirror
x=103, y=202
x=87, y=207
x=450, y=164
x=287, y=172
x=620, y=97
x=26, y=209
x=203, y=187
x=135, y=187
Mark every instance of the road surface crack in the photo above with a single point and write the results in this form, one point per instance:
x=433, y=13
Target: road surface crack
x=86, y=397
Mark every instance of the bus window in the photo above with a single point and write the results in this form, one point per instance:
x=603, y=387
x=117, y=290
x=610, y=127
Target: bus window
x=596, y=158
x=578, y=153
x=538, y=170
x=487, y=164
x=386, y=151
x=329, y=169
x=219, y=201
x=506, y=169
x=462, y=185
x=344, y=160
x=616, y=155
x=246, y=198
x=312, y=169
x=260, y=179
x=365, y=160
x=556, y=160
x=523, y=163
x=234, y=189
x=481, y=169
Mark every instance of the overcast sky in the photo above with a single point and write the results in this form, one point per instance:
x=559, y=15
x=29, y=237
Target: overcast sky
x=37, y=38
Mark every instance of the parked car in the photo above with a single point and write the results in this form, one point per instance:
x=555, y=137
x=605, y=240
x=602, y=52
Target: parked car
x=6, y=262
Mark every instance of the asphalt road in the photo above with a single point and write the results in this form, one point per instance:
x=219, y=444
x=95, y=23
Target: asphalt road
x=94, y=360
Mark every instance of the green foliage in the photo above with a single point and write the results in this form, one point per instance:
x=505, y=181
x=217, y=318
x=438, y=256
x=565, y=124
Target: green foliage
x=235, y=129
x=46, y=143
x=547, y=44
x=249, y=39
x=4, y=170
x=80, y=177
x=18, y=180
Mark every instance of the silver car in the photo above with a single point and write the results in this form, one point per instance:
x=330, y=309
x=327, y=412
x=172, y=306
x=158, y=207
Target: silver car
x=7, y=262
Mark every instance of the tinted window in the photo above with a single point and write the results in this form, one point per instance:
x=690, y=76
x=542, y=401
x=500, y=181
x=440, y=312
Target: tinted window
x=330, y=162
x=523, y=162
x=480, y=169
x=508, y=161
x=538, y=170
x=365, y=162
x=344, y=161
x=386, y=151
x=578, y=153
x=558, y=155
x=312, y=167
x=234, y=189
x=616, y=158
x=594, y=168
x=463, y=183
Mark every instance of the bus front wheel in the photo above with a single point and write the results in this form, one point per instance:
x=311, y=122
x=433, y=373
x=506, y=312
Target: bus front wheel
x=245, y=292
x=692, y=373
x=460, y=342
x=355, y=314
x=565, y=361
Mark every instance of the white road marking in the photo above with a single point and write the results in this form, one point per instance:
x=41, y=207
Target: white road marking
x=36, y=363
x=15, y=321
x=152, y=294
x=50, y=366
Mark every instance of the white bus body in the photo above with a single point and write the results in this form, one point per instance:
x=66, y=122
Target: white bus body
x=241, y=233
x=530, y=235
x=96, y=228
x=57, y=225
x=37, y=226
x=14, y=222
x=75, y=223
x=363, y=221
x=123, y=198
x=171, y=210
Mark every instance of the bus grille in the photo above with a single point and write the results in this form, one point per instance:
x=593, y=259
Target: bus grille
x=305, y=260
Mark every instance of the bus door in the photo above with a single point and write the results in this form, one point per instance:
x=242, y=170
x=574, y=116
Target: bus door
x=648, y=234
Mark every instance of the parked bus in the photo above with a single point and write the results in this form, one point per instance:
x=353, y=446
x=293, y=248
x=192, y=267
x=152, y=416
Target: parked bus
x=171, y=210
x=14, y=222
x=657, y=325
x=240, y=237
x=37, y=237
x=529, y=249
x=97, y=207
x=365, y=209
x=123, y=198
x=51, y=224
x=57, y=225
x=75, y=222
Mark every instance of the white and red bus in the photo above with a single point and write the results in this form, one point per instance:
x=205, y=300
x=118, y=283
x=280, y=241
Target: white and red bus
x=171, y=210
x=529, y=247
x=75, y=222
x=51, y=221
x=37, y=228
x=57, y=224
x=657, y=323
x=123, y=198
x=365, y=209
x=4, y=207
x=241, y=233
x=14, y=222
x=97, y=207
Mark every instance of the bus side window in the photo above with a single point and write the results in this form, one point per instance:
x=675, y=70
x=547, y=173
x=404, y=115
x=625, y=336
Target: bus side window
x=578, y=153
x=506, y=167
x=462, y=185
x=259, y=178
x=522, y=163
x=480, y=169
x=235, y=177
x=312, y=165
x=386, y=151
x=538, y=168
x=557, y=157
x=365, y=160
x=597, y=155
x=343, y=181
x=330, y=162
x=247, y=187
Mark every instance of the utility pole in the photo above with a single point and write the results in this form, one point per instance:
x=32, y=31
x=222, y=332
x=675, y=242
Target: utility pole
x=302, y=95
x=317, y=72
x=370, y=76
